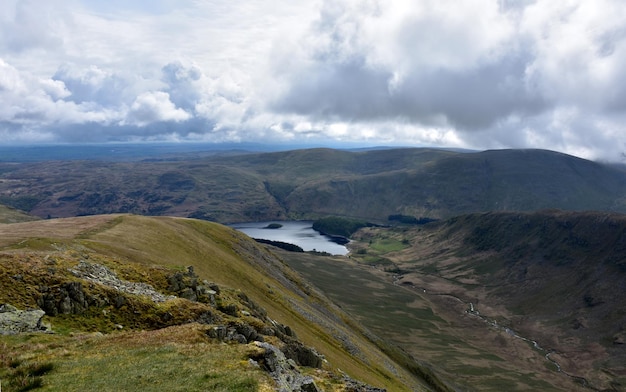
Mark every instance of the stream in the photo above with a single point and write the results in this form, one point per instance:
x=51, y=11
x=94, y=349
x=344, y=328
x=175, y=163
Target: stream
x=472, y=310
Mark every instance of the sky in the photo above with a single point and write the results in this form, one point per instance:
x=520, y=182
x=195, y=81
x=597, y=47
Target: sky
x=477, y=74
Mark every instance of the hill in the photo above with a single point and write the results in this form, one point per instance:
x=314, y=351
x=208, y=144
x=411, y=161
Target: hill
x=192, y=305
x=370, y=185
x=11, y=215
x=495, y=301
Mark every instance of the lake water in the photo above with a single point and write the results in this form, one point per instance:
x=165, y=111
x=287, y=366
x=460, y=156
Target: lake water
x=300, y=233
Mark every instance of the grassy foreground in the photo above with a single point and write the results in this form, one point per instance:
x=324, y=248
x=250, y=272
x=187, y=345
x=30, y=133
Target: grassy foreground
x=141, y=345
x=179, y=358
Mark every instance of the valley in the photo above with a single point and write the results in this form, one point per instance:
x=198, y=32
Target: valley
x=467, y=271
x=522, y=310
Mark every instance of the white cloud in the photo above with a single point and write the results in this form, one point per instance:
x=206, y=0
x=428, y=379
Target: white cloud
x=151, y=107
x=476, y=73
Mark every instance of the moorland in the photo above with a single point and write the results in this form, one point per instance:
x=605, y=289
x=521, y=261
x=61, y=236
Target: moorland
x=300, y=184
x=494, y=270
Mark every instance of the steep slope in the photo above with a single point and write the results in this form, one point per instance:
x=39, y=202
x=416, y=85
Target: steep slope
x=44, y=264
x=311, y=183
x=508, y=300
x=504, y=180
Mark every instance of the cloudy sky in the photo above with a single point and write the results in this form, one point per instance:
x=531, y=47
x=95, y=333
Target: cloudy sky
x=451, y=73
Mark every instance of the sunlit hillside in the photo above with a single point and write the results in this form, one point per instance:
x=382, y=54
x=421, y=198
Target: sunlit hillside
x=97, y=329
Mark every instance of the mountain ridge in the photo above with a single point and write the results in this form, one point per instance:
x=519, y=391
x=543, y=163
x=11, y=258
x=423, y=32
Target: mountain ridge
x=307, y=184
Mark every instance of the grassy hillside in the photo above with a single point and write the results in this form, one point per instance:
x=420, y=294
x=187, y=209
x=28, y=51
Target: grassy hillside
x=11, y=215
x=470, y=294
x=368, y=185
x=169, y=344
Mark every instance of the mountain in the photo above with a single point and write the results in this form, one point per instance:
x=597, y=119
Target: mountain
x=519, y=284
x=143, y=303
x=495, y=301
x=312, y=183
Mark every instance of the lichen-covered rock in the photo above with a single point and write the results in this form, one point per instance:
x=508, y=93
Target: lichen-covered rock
x=14, y=321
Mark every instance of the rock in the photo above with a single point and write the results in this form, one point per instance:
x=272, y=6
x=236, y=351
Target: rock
x=6, y=308
x=206, y=318
x=304, y=356
x=239, y=338
x=100, y=274
x=188, y=293
x=119, y=301
x=357, y=386
x=230, y=309
x=249, y=332
x=218, y=332
x=186, y=285
x=308, y=385
x=14, y=321
x=288, y=377
x=212, y=286
x=290, y=332
x=68, y=298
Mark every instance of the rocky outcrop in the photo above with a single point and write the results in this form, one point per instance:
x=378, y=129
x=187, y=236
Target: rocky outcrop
x=100, y=274
x=96, y=292
x=284, y=371
x=302, y=355
x=14, y=321
x=352, y=385
x=240, y=333
x=67, y=298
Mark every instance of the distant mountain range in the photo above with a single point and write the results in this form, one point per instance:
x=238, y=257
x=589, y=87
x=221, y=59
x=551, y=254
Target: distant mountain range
x=312, y=183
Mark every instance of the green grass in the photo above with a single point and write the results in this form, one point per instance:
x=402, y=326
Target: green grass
x=184, y=360
x=166, y=368
x=386, y=245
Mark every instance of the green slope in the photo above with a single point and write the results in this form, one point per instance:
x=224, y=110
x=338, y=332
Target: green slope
x=150, y=250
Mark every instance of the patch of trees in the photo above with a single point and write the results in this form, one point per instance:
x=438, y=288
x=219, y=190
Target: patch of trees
x=410, y=220
x=283, y=245
x=336, y=226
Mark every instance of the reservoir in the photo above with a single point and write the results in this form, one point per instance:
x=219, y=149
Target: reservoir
x=299, y=233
